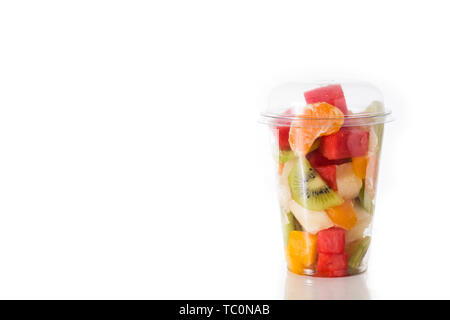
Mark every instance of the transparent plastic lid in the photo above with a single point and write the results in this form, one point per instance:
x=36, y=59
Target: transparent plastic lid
x=359, y=103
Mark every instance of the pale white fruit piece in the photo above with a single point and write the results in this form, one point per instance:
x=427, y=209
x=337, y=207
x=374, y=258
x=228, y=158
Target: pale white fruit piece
x=311, y=221
x=347, y=182
x=363, y=222
x=284, y=192
x=375, y=107
x=372, y=164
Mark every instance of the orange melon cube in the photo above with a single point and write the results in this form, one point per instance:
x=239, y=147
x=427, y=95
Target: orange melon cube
x=344, y=215
x=301, y=251
x=359, y=166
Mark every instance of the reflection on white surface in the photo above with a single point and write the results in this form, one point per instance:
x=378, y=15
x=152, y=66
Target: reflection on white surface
x=310, y=288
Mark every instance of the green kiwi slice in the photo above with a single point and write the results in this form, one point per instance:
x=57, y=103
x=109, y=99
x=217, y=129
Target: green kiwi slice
x=309, y=190
x=356, y=251
x=287, y=227
x=297, y=225
x=291, y=225
x=286, y=155
x=365, y=200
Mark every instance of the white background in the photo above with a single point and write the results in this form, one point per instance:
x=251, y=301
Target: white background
x=132, y=164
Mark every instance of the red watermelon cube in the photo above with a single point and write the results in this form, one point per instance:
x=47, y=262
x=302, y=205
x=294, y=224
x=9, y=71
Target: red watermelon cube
x=331, y=94
x=325, y=167
x=332, y=265
x=328, y=174
x=282, y=132
x=331, y=240
x=346, y=143
x=283, y=138
x=316, y=159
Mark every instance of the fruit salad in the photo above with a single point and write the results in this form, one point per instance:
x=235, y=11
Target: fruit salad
x=327, y=160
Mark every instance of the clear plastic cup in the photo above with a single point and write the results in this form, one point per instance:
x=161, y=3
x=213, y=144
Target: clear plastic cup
x=327, y=140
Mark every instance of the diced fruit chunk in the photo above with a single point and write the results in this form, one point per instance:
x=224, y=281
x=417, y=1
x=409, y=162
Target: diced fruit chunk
x=348, y=184
x=328, y=174
x=301, y=251
x=331, y=94
x=286, y=155
x=284, y=192
x=283, y=138
x=287, y=221
x=346, y=143
x=365, y=200
x=316, y=159
x=332, y=260
x=311, y=221
x=308, y=188
x=367, y=193
x=326, y=168
x=377, y=107
x=282, y=132
x=331, y=240
x=316, y=120
x=359, y=166
x=332, y=265
x=343, y=215
x=363, y=222
x=372, y=165
x=356, y=251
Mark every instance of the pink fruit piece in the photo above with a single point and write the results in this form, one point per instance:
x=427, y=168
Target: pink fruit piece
x=331, y=94
x=332, y=265
x=328, y=174
x=346, y=143
x=331, y=240
x=326, y=168
x=283, y=132
x=316, y=159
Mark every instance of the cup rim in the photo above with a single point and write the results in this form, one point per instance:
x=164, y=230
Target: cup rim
x=357, y=119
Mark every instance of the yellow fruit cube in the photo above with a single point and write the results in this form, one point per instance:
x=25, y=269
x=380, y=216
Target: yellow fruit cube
x=301, y=251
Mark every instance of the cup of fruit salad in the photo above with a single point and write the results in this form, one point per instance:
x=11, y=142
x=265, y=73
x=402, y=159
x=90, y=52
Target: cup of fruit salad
x=327, y=141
